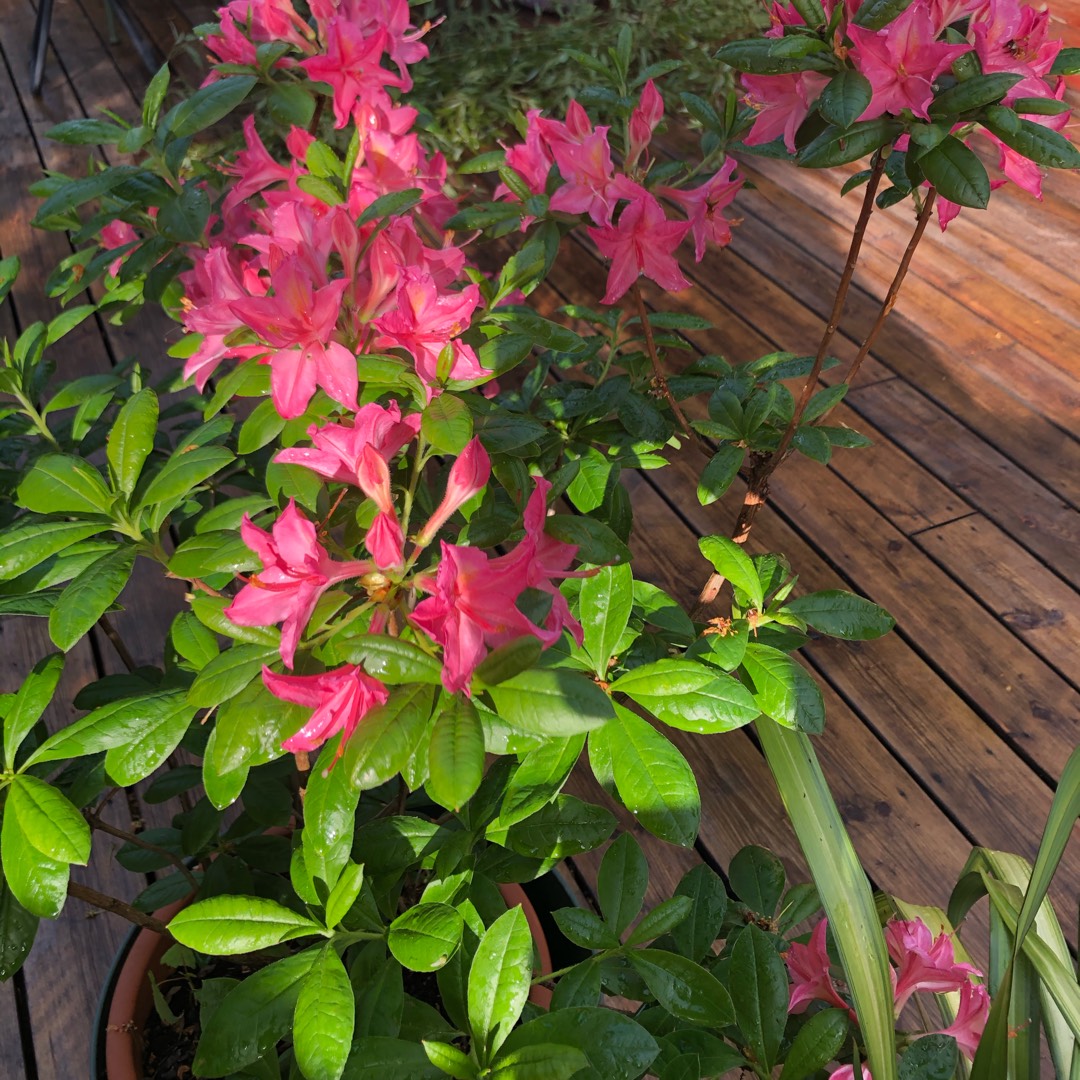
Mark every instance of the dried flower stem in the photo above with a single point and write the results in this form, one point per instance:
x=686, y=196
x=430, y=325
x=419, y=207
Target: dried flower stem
x=117, y=907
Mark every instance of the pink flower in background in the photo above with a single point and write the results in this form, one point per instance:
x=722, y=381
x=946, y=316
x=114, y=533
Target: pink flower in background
x=296, y=571
x=847, y=1072
x=350, y=64
x=924, y=962
x=1010, y=36
x=298, y=323
x=809, y=967
x=468, y=476
x=971, y=1017
x=782, y=103
x=644, y=119
x=902, y=61
x=642, y=242
x=704, y=206
x=341, y=699
x=114, y=235
x=338, y=449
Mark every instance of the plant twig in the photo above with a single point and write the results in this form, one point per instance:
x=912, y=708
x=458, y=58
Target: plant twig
x=117, y=643
x=133, y=838
x=757, y=490
x=890, y=297
x=117, y=907
x=658, y=371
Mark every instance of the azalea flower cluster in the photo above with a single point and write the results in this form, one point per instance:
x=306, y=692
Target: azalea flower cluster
x=923, y=963
x=630, y=225
x=306, y=285
x=903, y=60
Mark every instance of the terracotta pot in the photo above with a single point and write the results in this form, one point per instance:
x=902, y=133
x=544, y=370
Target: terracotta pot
x=129, y=999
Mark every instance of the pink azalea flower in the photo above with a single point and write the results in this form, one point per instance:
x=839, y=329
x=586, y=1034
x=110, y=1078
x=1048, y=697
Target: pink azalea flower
x=254, y=168
x=902, y=61
x=643, y=242
x=114, y=235
x=530, y=159
x=338, y=449
x=298, y=323
x=782, y=103
x=808, y=966
x=1010, y=36
x=351, y=66
x=296, y=571
x=586, y=169
x=971, y=1017
x=847, y=1072
x=426, y=321
x=704, y=206
x=1022, y=171
x=644, y=119
x=341, y=699
x=924, y=962
x=468, y=476
x=384, y=539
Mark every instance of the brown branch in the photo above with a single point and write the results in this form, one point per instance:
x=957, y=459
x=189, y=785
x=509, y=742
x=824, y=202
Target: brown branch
x=890, y=297
x=757, y=490
x=117, y=907
x=118, y=643
x=658, y=371
x=133, y=838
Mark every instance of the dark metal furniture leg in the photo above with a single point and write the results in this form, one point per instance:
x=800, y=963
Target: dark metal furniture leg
x=40, y=44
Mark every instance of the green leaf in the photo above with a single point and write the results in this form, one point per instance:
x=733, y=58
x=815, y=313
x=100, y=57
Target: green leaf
x=30, y=702
x=48, y=820
x=784, y=689
x=842, y=614
x=9, y=271
x=539, y=778
x=344, y=893
x=390, y=660
x=183, y=217
x=564, y=827
x=695, y=935
x=252, y=1017
x=381, y=746
x=1041, y=144
x=552, y=701
x=720, y=473
x=933, y=1057
x=974, y=93
x=38, y=883
x=67, y=320
x=759, y=993
x=585, y=928
x=661, y=920
x=183, y=472
x=51, y=214
x=129, y=764
x=392, y=204
x=689, y=695
x=653, y=779
x=683, y=987
x=228, y=673
x=845, y=98
x=424, y=937
x=229, y=925
x=621, y=882
x=155, y=96
x=842, y=885
x=32, y=540
x=877, y=14
x=757, y=878
x=595, y=541
x=499, y=981
x=329, y=818
x=818, y=1042
x=542, y=1061
x=447, y=424
x=114, y=724
x=324, y=1018
x=836, y=146
x=58, y=484
x=261, y=427
x=132, y=438
x=776, y=56
x=957, y=173
x=250, y=729
x=1067, y=62
x=208, y=105
x=18, y=928
x=456, y=755
x=731, y=560
x=89, y=596
x=446, y=1057
x=606, y=600
x=508, y=660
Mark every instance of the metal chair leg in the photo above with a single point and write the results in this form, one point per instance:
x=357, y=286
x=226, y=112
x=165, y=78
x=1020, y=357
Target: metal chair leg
x=40, y=44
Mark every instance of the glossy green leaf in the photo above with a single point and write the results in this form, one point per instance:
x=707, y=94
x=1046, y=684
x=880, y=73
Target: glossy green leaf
x=424, y=937
x=1041, y=144
x=842, y=885
x=731, y=560
x=661, y=920
x=499, y=981
x=845, y=98
x=776, y=56
x=683, y=987
x=757, y=878
x=585, y=928
x=329, y=816
x=344, y=893
x=228, y=925
x=132, y=438
x=836, y=146
x=57, y=484
x=759, y=992
x=720, y=473
x=621, y=882
x=539, y=778
x=324, y=1018
x=208, y=105
x=784, y=689
x=606, y=600
x=817, y=1043
x=30, y=702
x=32, y=540
x=842, y=614
x=228, y=673
x=933, y=1057
x=877, y=14
x=552, y=701
x=447, y=424
x=957, y=173
x=36, y=882
x=564, y=827
x=183, y=472
x=974, y=93
x=250, y=728
x=455, y=755
x=654, y=781
x=18, y=928
x=48, y=820
x=694, y=936
x=128, y=764
x=380, y=747
x=89, y=595
x=450, y=1060
x=390, y=660
x=540, y=1061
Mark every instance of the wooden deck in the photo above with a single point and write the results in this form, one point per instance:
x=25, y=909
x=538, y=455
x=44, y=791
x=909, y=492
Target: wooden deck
x=962, y=519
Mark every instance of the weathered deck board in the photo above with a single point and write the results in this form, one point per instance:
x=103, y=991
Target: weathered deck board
x=960, y=519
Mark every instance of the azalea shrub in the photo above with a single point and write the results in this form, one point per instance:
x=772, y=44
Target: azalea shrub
x=395, y=492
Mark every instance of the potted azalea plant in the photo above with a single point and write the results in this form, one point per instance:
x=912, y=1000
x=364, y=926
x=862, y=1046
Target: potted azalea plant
x=393, y=491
